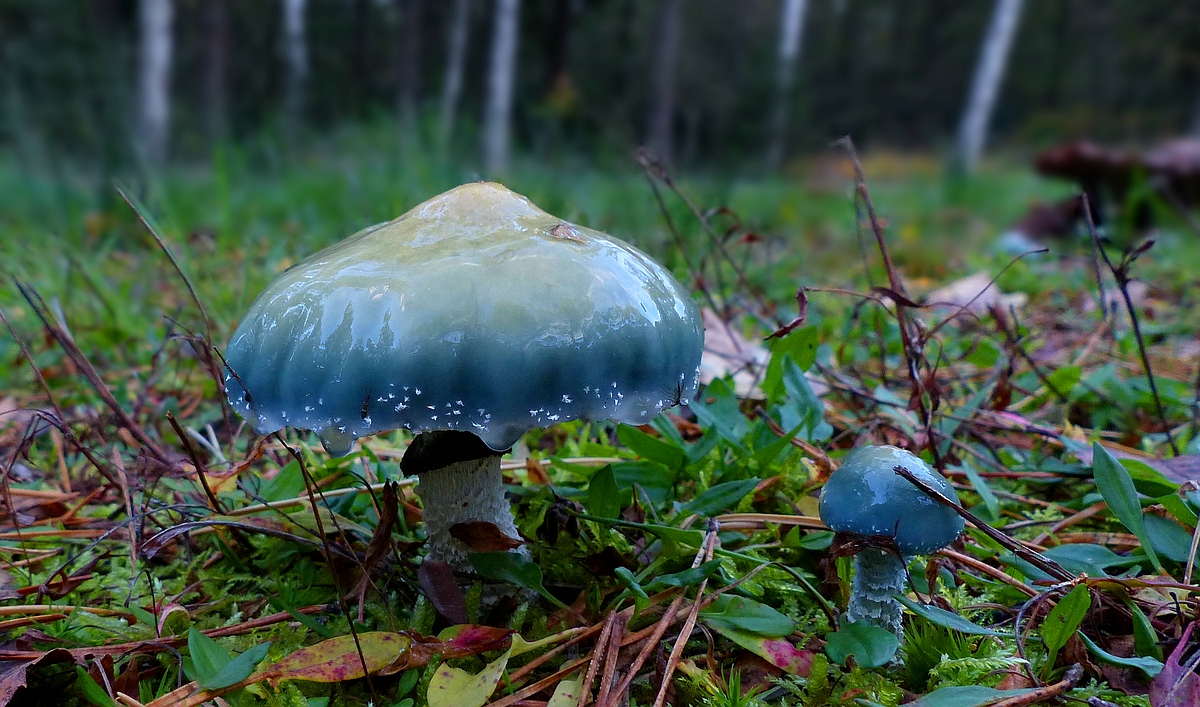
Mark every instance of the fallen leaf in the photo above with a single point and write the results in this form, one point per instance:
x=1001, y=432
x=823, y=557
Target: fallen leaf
x=482, y=536
x=454, y=687
x=13, y=673
x=974, y=292
x=440, y=587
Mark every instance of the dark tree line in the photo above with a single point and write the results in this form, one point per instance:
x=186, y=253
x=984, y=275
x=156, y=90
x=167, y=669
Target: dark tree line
x=700, y=80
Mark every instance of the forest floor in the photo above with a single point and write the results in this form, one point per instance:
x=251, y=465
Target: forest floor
x=155, y=551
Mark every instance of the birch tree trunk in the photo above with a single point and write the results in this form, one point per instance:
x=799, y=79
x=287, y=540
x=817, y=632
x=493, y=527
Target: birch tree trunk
x=791, y=28
x=216, y=64
x=154, y=79
x=989, y=72
x=501, y=78
x=456, y=57
x=660, y=130
x=295, y=56
x=411, y=14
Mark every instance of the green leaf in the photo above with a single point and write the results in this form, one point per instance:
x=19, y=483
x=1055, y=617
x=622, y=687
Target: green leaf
x=871, y=646
x=742, y=614
x=946, y=619
x=1149, y=666
x=455, y=687
x=687, y=578
x=985, y=492
x=1168, y=538
x=1116, y=486
x=719, y=497
x=1064, y=619
x=604, y=499
x=777, y=651
x=801, y=347
x=652, y=448
x=1145, y=638
x=1065, y=379
x=237, y=669
x=717, y=408
x=208, y=657
x=91, y=689
x=656, y=479
x=966, y=696
x=513, y=568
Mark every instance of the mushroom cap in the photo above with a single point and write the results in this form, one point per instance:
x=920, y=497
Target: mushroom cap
x=866, y=496
x=474, y=311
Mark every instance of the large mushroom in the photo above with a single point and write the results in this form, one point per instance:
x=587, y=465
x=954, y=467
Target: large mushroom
x=867, y=503
x=469, y=320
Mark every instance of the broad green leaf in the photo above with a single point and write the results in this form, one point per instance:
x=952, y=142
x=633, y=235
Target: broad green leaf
x=208, y=657
x=966, y=696
x=1065, y=379
x=717, y=408
x=454, y=687
x=870, y=645
x=946, y=619
x=629, y=579
x=948, y=425
x=604, y=499
x=1178, y=508
x=1116, y=486
x=803, y=408
x=1148, y=480
x=237, y=669
x=1169, y=539
x=1149, y=666
x=652, y=448
x=657, y=480
x=776, y=651
x=1064, y=619
x=742, y=614
x=801, y=347
x=719, y=497
x=513, y=568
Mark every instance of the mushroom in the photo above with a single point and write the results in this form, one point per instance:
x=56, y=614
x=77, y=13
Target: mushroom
x=469, y=320
x=865, y=500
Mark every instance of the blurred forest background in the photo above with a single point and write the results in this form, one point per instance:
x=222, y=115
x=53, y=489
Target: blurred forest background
x=109, y=85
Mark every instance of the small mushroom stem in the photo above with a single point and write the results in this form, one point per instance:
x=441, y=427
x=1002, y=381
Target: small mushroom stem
x=878, y=577
x=460, y=482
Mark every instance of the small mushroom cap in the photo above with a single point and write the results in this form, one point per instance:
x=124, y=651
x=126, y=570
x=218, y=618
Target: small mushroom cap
x=474, y=311
x=866, y=496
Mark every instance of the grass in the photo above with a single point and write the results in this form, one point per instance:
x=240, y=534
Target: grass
x=1044, y=421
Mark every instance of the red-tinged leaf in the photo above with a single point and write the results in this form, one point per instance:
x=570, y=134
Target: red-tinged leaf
x=454, y=642
x=337, y=659
x=442, y=590
x=13, y=673
x=482, y=536
x=776, y=651
x=1176, y=686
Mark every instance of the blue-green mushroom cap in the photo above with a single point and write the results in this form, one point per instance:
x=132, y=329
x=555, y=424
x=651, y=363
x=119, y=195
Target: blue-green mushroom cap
x=474, y=311
x=866, y=496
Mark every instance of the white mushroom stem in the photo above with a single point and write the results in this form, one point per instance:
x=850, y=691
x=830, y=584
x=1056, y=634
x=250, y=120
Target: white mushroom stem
x=463, y=492
x=878, y=578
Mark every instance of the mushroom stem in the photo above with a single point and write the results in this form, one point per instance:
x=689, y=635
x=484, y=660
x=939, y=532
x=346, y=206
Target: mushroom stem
x=878, y=577
x=459, y=482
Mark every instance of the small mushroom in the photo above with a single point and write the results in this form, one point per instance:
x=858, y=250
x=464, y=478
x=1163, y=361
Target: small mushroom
x=865, y=497
x=469, y=320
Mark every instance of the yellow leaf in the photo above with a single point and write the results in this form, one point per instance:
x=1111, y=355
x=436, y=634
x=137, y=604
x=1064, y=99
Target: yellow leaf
x=452, y=687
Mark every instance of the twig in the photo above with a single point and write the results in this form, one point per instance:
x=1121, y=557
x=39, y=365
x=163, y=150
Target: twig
x=1074, y=673
x=688, y=626
x=1121, y=274
x=200, y=468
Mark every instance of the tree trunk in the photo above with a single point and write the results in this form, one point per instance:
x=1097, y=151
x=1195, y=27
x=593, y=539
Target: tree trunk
x=154, y=79
x=295, y=55
x=993, y=56
x=660, y=133
x=790, y=30
x=501, y=75
x=456, y=57
x=216, y=63
x=411, y=14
